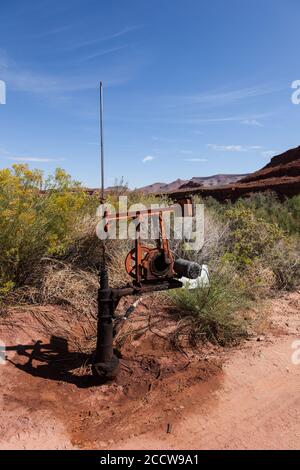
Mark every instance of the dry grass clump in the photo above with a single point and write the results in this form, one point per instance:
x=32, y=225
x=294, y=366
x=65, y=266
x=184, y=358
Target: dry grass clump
x=284, y=260
x=86, y=254
x=216, y=234
x=259, y=281
x=63, y=284
x=57, y=282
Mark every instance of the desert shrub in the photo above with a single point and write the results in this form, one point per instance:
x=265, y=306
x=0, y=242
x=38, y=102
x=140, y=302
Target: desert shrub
x=261, y=248
x=210, y=313
x=249, y=256
x=284, y=260
x=267, y=206
x=258, y=280
x=38, y=217
x=216, y=233
x=249, y=237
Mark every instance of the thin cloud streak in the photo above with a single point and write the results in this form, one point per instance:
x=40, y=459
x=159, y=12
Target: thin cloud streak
x=208, y=120
x=252, y=122
x=25, y=80
x=221, y=97
x=52, y=31
x=233, y=148
x=35, y=159
x=118, y=34
x=103, y=53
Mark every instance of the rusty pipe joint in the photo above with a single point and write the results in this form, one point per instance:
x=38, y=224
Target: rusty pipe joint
x=185, y=268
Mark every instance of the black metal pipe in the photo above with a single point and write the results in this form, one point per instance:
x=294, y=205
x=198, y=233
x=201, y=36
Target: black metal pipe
x=105, y=362
x=151, y=286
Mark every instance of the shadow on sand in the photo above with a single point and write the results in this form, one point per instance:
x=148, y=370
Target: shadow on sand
x=56, y=362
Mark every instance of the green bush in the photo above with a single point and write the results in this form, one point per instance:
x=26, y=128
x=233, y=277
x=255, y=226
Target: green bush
x=210, y=313
x=284, y=260
x=38, y=217
x=267, y=206
x=249, y=237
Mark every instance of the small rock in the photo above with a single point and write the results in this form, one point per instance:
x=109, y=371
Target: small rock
x=260, y=338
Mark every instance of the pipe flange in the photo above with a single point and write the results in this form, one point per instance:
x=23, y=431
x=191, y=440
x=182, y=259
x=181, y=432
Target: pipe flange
x=106, y=370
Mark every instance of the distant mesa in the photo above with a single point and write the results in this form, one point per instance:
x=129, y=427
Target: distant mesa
x=195, y=182
x=286, y=164
x=281, y=175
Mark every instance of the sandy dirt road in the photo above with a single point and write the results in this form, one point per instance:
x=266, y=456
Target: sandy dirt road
x=255, y=405
x=246, y=397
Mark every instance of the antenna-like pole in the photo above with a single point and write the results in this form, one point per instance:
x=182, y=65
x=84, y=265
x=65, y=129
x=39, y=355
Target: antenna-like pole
x=105, y=362
x=101, y=143
x=103, y=267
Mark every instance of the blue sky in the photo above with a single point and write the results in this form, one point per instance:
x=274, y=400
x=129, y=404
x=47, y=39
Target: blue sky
x=192, y=88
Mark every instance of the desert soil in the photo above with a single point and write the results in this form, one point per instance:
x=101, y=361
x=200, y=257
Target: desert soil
x=245, y=397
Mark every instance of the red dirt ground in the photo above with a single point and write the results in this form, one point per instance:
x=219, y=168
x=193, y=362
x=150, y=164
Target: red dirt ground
x=243, y=397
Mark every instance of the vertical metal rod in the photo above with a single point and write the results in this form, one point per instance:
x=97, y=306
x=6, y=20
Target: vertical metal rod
x=102, y=167
x=101, y=143
x=105, y=362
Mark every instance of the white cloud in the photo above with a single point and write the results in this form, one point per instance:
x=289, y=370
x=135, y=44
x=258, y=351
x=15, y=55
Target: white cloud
x=198, y=132
x=208, y=120
x=195, y=160
x=148, y=158
x=34, y=159
x=163, y=139
x=227, y=148
x=233, y=148
x=252, y=122
x=27, y=159
x=243, y=148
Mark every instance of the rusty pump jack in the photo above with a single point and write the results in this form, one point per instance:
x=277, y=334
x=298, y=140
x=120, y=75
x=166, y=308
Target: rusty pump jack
x=152, y=269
